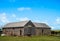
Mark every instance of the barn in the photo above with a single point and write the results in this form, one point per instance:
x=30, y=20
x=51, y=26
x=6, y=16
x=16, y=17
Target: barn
x=25, y=28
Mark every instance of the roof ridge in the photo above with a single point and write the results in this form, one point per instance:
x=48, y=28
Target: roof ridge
x=38, y=22
x=18, y=22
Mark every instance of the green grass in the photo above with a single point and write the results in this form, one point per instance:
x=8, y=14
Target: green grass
x=33, y=38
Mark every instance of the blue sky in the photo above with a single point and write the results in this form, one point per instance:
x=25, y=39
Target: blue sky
x=44, y=11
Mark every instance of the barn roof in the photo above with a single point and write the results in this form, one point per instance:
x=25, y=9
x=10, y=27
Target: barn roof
x=16, y=24
x=41, y=25
x=23, y=23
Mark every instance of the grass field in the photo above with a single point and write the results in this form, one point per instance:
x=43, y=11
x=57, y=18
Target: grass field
x=33, y=38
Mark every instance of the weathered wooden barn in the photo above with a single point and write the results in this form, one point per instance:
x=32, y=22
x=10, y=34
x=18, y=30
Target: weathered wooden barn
x=25, y=28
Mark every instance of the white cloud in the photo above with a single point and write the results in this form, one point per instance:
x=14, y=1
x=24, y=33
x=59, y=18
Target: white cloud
x=41, y=21
x=57, y=20
x=45, y=22
x=13, y=15
x=3, y=18
x=23, y=19
x=52, y=27
x=6, y=19
x=36, y=20
x=23, y=8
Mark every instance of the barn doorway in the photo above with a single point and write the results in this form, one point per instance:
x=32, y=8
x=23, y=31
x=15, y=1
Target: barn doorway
x=29, y=31
x=42, y=31
x=20, y=32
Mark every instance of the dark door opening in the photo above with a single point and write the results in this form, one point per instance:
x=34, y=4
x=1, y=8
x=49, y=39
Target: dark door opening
x=42, y=31
x=20, y=32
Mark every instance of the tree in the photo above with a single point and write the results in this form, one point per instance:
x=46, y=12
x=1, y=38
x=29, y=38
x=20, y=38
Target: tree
x=0, y=29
